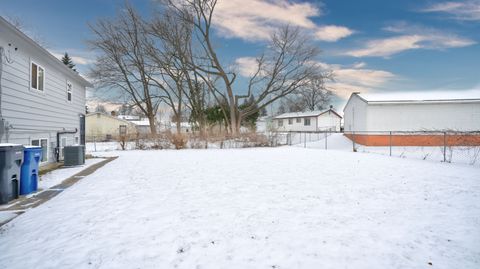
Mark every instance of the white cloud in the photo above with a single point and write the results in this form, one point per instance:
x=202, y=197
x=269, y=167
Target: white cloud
x=468, y=10
x=411, y=37
x=246, y=66
x=347, y=79
x=359, y=65
x=332, y=33
x=255, y=20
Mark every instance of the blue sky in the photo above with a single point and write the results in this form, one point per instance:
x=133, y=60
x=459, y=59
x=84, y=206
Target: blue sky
x=371, y=45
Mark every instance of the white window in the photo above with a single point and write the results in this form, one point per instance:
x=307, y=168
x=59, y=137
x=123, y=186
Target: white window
x=290, y=121
x=306, y=122
x=69, y=91
x=37, y=77
x=299, y=120
x=280, y=123
x=44, y=144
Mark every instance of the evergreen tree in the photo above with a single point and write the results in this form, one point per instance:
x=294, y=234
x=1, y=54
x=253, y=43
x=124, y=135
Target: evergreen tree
x=67, y=60
x=251, y=119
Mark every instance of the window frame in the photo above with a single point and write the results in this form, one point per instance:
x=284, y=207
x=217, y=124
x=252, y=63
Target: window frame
x=305, y=120
x=290, y=121
x=69, y=90
x=38, y=66
x=299, y=120
x=40, y=145
x=280, y=123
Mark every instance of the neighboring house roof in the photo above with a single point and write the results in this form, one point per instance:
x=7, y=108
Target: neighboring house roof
x=106, y=115
x=314, y=113
x=182, y=124
x=140, y=122
x=47, y=54
x=128, y=117
x=419, y=97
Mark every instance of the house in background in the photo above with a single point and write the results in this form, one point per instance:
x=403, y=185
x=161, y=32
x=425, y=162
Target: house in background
x=101, y=126
x=42, y=101
x=311, y=121
x=368, y=118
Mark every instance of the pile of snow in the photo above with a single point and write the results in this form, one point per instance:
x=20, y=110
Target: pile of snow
x=255, y=208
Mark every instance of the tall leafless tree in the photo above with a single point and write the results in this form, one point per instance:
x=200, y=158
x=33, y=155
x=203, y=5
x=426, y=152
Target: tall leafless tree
x=287, y=65
x=313, y=96
x=122, y=63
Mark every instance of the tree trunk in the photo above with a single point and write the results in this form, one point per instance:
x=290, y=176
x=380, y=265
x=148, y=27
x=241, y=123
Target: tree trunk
x=153, y=127
x=179, y=126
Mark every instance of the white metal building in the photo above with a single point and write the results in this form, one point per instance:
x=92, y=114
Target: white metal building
x=369, y=116
x=319, y=120
x=412, y=112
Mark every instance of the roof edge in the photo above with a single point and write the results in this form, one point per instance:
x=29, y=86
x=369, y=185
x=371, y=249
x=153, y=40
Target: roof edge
x=85, y=82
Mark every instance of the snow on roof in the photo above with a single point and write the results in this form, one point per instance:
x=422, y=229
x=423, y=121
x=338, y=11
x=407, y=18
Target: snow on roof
x=425, y=96
x=9, y=145
x=128, y=117
x=182, y=124
x=314, y=113
x=140, y=122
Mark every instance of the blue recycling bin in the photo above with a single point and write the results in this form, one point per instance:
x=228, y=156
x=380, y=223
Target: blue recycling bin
x=29, y=171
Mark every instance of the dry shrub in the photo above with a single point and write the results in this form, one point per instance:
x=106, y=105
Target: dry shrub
x=162, y=141
x=179, y=141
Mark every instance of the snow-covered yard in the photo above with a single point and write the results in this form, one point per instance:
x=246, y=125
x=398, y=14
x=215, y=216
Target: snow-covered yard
x=283, y=207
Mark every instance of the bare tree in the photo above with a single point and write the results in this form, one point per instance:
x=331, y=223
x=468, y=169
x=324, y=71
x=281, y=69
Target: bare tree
x=174, y=55
x=100, y=108
x=122, y=63
x=313, y=96
x=286, y=66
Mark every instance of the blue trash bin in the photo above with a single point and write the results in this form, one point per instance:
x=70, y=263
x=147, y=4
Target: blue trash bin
x=29, y=171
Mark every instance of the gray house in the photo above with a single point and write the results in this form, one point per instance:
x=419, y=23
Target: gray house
x=42, y=101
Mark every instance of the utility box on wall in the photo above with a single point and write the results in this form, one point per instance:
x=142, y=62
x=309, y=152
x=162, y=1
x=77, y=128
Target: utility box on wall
x=74, y=155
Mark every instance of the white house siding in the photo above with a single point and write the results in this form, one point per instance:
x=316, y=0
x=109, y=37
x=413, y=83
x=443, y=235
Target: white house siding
x=327, y=120
x=31, y=114
x=355, y=115
x=298, y=126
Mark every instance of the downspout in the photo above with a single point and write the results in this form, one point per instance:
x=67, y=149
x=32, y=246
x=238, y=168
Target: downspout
x=57, y=149
x=2, y=121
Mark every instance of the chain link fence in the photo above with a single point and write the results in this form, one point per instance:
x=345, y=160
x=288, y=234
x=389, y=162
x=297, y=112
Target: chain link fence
x=446, y=146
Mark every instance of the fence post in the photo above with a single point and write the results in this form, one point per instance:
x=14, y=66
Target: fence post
x=94, y=144
x=390, y=143
x=326, y=135
x=353, y=140
x=444, y=146
x=304, y=140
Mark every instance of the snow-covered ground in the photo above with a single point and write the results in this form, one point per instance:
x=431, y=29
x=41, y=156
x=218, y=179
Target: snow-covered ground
x=337, y=141
x=283, y=207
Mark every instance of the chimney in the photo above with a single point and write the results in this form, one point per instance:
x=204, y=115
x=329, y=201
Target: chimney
x=331, y=107
x=113, y=113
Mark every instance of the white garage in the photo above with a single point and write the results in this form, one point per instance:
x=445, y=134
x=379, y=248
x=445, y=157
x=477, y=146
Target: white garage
x=372, y=115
